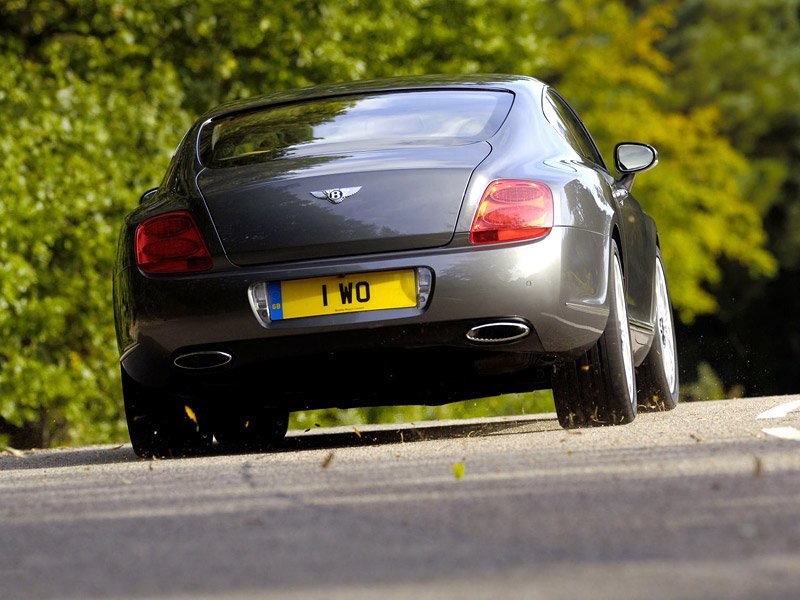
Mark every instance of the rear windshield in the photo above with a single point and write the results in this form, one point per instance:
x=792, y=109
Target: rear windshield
x=353, y=123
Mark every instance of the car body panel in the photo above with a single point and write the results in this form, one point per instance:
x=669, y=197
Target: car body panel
x=529, y=274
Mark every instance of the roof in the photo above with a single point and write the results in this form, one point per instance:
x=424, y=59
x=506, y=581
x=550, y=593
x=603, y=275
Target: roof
x=486, y=81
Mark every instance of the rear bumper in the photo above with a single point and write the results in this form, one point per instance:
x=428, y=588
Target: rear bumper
x=556, y=285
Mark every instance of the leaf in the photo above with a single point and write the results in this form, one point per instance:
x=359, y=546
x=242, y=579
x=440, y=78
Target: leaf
x=458, y=470
x=190, y=414
x=758, y=466
x=328, y=460
x=356, y=431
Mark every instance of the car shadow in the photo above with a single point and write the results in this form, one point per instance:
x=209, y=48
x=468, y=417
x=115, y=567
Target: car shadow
x=414, y=432
x=296, y=441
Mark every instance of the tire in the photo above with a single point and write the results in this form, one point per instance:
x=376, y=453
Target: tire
x=163, y=425
x=657, y=376
x=244, y=428
x=599, y=387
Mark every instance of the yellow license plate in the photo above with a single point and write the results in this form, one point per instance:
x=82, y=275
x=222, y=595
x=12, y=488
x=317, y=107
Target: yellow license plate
x=342, y=294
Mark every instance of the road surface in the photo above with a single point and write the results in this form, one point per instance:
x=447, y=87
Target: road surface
x=702, y=502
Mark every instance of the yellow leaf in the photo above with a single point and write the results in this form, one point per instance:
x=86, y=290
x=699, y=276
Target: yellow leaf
x=190, y=414
x=458, y=470
x=357, y=432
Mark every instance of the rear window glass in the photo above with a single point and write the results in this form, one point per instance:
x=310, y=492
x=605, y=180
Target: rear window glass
x=353, y=123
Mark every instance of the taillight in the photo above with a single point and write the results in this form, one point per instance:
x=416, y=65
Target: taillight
x=171, y=243
x=512, y=209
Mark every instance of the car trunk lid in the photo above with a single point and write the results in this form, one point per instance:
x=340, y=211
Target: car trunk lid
x=301, y=207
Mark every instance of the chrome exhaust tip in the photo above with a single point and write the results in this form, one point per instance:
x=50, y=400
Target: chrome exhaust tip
x=207, y=359
x=501, y=332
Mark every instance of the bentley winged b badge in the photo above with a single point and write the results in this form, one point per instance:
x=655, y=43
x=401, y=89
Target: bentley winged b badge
x=336, y=195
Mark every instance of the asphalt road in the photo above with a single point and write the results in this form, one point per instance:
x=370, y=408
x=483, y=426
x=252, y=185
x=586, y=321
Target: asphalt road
x=697, y=503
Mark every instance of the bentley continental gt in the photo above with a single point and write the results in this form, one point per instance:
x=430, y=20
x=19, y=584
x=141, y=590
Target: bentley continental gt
x=405, y=241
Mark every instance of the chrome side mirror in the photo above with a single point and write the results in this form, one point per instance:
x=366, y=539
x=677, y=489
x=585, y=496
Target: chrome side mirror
x=634, y=157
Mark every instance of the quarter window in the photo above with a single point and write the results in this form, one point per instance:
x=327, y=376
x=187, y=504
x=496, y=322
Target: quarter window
x=565, y=120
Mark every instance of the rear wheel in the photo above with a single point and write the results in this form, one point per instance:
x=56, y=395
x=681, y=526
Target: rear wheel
x=163, y=425
x=657, y=377
x=249, y=427
x=599, y=387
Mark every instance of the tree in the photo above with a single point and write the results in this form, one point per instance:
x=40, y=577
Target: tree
x=744, y=59
x=80, y=131
x=97, y=93
x=607, y=62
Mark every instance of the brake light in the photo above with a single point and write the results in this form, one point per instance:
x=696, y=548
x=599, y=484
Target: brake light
x=511, y=210
x=171, y=243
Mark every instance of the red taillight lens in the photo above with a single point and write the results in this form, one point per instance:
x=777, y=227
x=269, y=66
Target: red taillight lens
x=512, y=209
x=171, y=243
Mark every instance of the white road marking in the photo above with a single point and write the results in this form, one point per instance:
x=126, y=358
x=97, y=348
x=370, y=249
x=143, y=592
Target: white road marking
x=785, y=433
x=778, y=412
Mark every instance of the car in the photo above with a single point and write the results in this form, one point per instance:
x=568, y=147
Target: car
x=402, y=241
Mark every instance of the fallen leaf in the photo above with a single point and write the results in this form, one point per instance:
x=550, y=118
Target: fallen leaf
x=117, y=447
x=190, y=414
x=13, y=451
x=357, y=432
x=328, y=460
x=458, y=470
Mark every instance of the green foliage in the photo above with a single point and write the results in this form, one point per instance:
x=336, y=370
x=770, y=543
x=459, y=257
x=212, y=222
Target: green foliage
x=496, y=406
x=707, y=386
x=81, y=132
x=96, y=95
x=744, y=58
x=609, y=65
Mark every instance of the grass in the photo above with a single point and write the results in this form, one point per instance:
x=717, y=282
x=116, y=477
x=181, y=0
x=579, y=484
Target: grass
x=496, y=406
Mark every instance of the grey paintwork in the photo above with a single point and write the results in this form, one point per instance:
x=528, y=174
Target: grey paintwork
x=409, y=198
x=558, y=284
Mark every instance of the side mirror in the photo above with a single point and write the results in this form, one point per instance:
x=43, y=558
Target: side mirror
x=147, y=195
x=634, y=157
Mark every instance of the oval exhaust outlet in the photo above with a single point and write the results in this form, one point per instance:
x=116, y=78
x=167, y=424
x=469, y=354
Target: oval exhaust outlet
x=208, y=359
x=498, y=333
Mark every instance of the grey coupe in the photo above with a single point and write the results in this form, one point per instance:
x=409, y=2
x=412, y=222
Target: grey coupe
x=405, y=241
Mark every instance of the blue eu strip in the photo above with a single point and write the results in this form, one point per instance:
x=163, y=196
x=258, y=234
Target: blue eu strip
x=275, y=301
